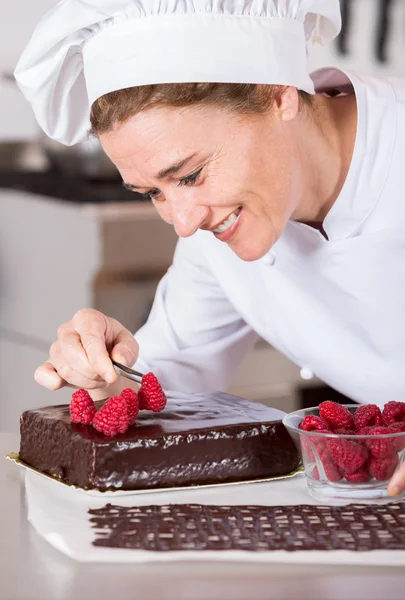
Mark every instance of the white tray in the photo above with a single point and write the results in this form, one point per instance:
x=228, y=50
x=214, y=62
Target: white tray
x=60, y=516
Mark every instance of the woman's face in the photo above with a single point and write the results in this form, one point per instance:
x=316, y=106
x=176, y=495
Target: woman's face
x=237, y=176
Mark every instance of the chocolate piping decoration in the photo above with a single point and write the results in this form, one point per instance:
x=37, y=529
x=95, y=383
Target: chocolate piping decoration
x=196, y=527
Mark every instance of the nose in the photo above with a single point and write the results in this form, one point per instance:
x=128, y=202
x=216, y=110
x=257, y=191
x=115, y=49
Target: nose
x=186, y=214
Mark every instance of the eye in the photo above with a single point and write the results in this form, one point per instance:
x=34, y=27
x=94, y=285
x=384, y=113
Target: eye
x=190, y=179
x=152, y=194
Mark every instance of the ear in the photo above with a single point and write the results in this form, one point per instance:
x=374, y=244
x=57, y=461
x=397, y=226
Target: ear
x=287, y=104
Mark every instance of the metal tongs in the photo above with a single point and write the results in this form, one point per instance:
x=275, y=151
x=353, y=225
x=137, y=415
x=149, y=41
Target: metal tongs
x=127, y=372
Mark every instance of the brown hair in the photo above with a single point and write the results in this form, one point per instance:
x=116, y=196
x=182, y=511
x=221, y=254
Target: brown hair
x=118, y=107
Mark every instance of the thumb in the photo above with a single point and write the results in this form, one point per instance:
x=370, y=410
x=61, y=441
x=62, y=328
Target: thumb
x=125, y=349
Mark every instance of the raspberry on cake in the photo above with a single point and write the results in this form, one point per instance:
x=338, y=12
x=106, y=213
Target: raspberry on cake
x=82, y=407
x=118, y=412
x=131, y=398
x=112, y=417
x=197, y=439
x=150, y=394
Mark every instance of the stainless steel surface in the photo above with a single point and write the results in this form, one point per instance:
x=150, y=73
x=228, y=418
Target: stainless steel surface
x=85, y=159
x=30, y=569
x=127, y=372
x=22, y=156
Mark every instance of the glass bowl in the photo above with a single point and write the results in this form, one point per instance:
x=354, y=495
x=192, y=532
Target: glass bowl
x=329, y=460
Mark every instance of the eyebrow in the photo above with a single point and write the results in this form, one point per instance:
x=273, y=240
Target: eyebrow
x=172, y=170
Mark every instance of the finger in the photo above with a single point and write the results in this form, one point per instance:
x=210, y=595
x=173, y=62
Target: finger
x=125, y=348
x=92, y=328
x=397, y=483
x=73, y=353
x=47, y=376
x=67, y=373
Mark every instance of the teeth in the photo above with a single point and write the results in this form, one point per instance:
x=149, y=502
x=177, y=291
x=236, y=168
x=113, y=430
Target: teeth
x=228, y=222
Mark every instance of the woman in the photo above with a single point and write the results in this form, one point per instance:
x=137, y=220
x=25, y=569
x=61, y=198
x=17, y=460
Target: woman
x=286, y=189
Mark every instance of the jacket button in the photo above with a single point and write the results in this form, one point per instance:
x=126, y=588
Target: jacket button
x=306, y=373
x=269, y=259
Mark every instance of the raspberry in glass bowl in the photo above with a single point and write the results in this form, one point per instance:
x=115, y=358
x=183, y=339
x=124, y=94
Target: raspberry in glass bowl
x=350, y=452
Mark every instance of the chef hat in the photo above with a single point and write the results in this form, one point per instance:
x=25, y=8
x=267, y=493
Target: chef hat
x=83, y=49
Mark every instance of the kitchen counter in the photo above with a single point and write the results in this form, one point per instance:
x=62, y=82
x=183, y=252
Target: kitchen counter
x=31, y=569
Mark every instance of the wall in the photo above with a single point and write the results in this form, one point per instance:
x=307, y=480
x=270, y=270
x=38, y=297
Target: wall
x=362, y=41
x=17, y=20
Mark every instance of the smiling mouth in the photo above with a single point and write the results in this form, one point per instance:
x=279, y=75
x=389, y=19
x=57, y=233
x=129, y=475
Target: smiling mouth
x=228, y=222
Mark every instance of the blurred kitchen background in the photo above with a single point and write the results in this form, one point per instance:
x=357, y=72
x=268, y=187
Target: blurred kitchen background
x=72, y=237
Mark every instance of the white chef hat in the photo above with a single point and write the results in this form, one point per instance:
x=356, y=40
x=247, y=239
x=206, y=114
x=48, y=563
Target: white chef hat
x=83, y=49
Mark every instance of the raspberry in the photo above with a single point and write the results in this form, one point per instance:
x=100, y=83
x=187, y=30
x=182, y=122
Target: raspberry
x=82, y=408
x=364, y=430
x=336, y=415
x=367, y=415
x=348, y=455
x=306, y=450
x=397, y=427
x=393, y=412
x=131, y=398
x=323, y=452
x=313, y=423
x=332, y=473
x=308, y=442
x=150, y=394
x=343, y=431
x=382, y=468
x=383, y=447
x=360, y=476
x=399, y=441
x=112, y=418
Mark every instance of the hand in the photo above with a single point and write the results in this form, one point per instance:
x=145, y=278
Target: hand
x=80, y=357
x=397, y=483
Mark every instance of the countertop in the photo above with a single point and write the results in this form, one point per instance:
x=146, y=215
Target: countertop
x=32, y=569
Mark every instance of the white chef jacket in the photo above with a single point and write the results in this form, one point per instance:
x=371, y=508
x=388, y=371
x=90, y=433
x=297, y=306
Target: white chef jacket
x=335, y=305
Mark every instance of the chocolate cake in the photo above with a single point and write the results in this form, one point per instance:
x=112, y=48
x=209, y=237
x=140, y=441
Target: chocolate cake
x=198, y=439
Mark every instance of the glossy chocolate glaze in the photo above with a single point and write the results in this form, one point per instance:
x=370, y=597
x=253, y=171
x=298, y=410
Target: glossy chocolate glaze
x=197, y=439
